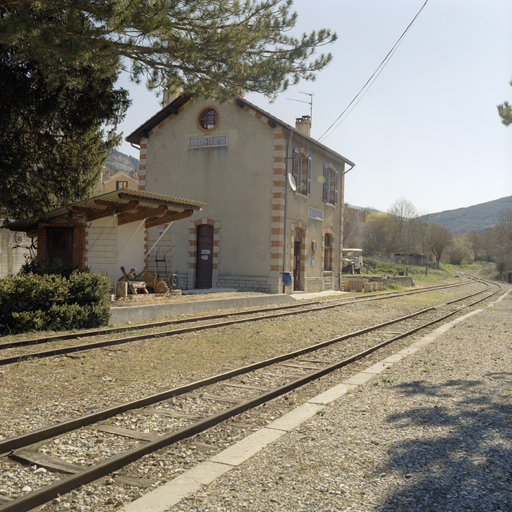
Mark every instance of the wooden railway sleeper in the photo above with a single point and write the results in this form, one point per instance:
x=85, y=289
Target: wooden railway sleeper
x=88, y=475
x=112, y=330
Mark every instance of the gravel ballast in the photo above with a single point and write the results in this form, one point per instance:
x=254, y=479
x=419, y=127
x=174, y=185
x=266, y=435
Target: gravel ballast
x=339, y=459
x=432, y=433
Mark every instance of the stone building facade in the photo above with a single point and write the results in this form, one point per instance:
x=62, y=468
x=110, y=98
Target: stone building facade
x=274, y=221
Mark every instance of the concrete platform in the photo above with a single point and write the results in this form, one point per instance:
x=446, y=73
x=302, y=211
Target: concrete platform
x=137, y=313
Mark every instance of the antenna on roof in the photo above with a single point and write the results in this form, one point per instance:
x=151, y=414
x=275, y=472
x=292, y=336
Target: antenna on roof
x=310, y=103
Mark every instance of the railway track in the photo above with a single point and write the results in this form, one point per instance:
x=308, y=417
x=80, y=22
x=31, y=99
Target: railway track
x=186, y=411
x=154, y=329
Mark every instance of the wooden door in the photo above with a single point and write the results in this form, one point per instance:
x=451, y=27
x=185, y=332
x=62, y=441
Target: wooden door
x=297, y=284
x=204, y=259
x=59, y=245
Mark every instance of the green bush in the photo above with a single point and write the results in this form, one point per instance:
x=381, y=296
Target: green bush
x=50, y=302
x=55, y=268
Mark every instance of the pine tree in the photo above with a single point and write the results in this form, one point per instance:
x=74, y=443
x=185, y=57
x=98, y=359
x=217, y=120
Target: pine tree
x=205, y=47
x=53, y=139
x=60, y=59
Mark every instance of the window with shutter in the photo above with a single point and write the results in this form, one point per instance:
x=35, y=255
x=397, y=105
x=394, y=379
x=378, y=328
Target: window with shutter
x=296, y=166
x=330, y=185
x=308, y=178
x=301, y=171
x=325, y=188
x=335, y=187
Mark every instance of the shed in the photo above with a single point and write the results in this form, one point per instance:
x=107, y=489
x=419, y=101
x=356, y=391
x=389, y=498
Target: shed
x=105, y=232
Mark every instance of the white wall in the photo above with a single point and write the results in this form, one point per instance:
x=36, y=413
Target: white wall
x=109, y=247
x=235, y=181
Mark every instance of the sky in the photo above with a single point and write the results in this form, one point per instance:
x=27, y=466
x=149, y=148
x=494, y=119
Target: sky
x=427, y=130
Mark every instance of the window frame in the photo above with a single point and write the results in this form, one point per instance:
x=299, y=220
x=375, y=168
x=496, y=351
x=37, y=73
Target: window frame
x=330, y=185
x=205, y=111
x=301, y=171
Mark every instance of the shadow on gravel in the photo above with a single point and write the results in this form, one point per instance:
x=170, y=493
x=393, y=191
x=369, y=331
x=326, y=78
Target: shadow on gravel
x=462, y=460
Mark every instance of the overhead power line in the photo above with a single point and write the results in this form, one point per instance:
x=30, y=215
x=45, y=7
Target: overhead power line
x=359, y=96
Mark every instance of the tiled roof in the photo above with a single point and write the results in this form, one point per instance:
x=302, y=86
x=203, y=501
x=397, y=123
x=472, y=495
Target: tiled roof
x=131, y=204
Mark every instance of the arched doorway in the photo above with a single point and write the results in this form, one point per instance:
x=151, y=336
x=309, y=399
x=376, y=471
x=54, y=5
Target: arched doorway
x=204, y=258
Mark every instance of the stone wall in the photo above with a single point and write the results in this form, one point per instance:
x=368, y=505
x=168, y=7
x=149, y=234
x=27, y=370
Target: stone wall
x=13, y=248
x=403, y=281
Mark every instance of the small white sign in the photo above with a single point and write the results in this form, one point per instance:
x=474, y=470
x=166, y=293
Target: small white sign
x=217, y=141
x=205, y=251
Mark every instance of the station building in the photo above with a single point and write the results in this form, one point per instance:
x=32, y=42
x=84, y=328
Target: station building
x=274, y=221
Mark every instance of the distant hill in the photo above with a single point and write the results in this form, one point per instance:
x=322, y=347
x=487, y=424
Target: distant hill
x=118, y=161
x=472, y=218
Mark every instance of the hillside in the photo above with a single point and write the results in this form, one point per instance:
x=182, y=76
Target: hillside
x=118, y=161
x=472, y=218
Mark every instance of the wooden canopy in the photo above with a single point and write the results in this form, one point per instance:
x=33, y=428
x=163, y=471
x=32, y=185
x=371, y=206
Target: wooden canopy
x=127, y=205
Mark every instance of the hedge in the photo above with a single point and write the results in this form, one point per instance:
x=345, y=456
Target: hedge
x=52, y=302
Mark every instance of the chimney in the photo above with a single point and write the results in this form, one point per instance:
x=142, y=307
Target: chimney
x=303, y=124
x=169, y=95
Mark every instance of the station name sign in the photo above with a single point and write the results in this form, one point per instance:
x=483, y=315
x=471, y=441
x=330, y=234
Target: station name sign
x=217, y=141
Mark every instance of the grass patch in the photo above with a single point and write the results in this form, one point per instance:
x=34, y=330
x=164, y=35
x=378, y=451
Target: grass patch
x=435, y=274
x=376, y=267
